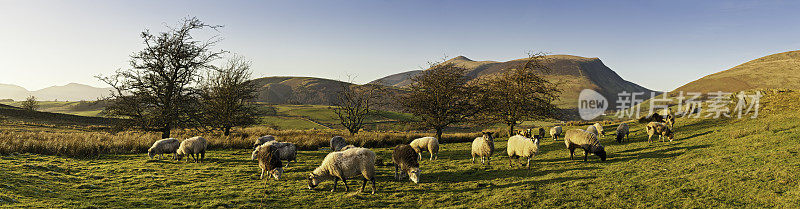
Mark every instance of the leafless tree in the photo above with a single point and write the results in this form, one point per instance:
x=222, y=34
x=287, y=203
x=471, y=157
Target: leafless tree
x=160, y=92
x=227, y=95
x=440, y=97
x=30, y=103
x=518, y=94
x=353, y=105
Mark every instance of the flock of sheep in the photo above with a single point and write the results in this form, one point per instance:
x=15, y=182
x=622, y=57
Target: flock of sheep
x=348, y=161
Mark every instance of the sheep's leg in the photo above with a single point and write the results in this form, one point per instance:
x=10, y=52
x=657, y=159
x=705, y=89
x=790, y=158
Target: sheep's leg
x=344, y=181
x=571, y=153
x=335, y=183
x=529, y=162
x=363, y=185
x=202, y=156
x=431, y=155
x=473, y=158
x=262, y=173
x=396, y=176
x=509, y=162
x=585, y=155
x=420, y=156
x=373, y=185
x=287, y=163
x=488, y=159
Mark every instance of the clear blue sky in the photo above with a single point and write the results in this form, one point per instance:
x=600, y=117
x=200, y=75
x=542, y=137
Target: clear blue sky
x=660, y=44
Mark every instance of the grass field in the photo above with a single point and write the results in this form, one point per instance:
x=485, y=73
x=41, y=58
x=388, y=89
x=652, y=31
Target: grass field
x=713, y=163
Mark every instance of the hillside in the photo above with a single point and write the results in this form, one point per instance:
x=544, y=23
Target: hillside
x=571, y=73
x=16, y=114
x=297, y=90
x=780, y=70
x=69, y=92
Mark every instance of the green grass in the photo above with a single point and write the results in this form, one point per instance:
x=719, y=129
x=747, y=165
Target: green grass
x=713, y=163
x=285, y=123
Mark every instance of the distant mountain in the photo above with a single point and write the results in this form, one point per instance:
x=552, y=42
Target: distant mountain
x=571, y=73
x=69, y=92
x=780, y=70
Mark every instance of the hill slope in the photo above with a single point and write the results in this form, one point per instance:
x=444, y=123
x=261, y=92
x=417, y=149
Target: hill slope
x=297, y=90
x=571, y=73
x=780, y=70
x=69, y=92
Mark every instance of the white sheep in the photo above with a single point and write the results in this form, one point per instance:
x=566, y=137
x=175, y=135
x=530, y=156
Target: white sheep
x=262, y=140
x=483, y=147
x=194, y=147
x=578, y=138
x=347, y=147
x=593, y=129
x=622, y=131
x=345, y=164
x=555, y=132
x=164, y=146
x=337, y=143
x=520, y=146
x=288, y=151
x=430, y=144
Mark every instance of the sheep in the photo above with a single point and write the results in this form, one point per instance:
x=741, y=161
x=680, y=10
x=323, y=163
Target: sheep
x=599, y=129
x=521, y=146
x=483, y=147
x=430, y=144
x=345, y=164
x=593, y=129
x=405, y=163
x=622, y=131
x=670, y=120
x=288, y=151
x=555, y=132
x=347, y=147
x=587, y=141
x=337, y=143
x=541, y=133
x=193, y=147
x=262, y=140
x=164, y=146
x=269, y=161
x=660, y=129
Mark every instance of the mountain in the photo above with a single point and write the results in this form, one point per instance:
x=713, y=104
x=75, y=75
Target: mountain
x=297, y=90
x=69, y=92
x=780, y=70
x=571, y=73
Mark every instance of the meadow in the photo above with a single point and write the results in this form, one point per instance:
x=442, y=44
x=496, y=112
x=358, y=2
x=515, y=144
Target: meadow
x=713, y=163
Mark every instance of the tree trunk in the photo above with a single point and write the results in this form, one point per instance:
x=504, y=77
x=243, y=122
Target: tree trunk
x=510, y=129
x=439, y=134
x=227, y=130
x=165, y=131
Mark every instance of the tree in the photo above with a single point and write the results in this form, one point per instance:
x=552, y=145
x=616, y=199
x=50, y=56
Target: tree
x=30, y=103
x=353, y=105
x=518, y=94
x=440, y=97
x=227, y=94
x=159, y=92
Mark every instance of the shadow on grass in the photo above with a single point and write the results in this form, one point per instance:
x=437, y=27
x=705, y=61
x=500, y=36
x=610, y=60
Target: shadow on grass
x=480, y=186
x=659, y=153
x=478, y=174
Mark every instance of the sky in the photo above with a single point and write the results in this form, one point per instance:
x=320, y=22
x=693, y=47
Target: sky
x=660, y=45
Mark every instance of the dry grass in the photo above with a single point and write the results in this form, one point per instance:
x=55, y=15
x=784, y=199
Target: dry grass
x=92, y=144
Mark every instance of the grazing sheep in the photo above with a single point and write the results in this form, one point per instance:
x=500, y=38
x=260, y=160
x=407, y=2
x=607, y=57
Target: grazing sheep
x=405, y=163
x=599, y=129
x=592, y=129
x=345, y=164
x=288, y=151
x=670, y=120
x=541, y=133
x=269, y=161
x=655, y=117
x=337, y=143
x=262, y=140
x=164, y=146
x=660, y=129
x=587, y=141
x=622, y=131
x=483, y=147
x=555, y=132
x=193, y=147
x=520, y=146
x=430, y=144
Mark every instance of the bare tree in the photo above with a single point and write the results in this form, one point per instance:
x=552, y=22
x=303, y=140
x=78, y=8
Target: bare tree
x=353, y=105
x=518, y=94
x=159, y=92
x=30, y=103
x=227, y=96
x=440, y=97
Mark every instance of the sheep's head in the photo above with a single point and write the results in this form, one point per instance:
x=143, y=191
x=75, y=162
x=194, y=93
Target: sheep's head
x=179, y=156
x=276, y=173
x=600, y=151
x=313, y=181
x=150, y=153
x=670, y=134
x=413, y=174
x=255, y=154
x=619, y=136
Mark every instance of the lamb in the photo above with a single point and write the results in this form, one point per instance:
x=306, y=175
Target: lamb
x=337, y=143
x=660, y=129
x=405, y=163
x=288, y=151
x=430, y=144
x=622, y=131
x=483, y=147
x=587, y=141
x=262, y=140
x=164, y=146
x=269, y=161
x=345, y=164
x=193, y=147
x=555, y=132
x=521, y=146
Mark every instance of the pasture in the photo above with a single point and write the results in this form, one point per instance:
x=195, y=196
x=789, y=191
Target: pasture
x=712, y=163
